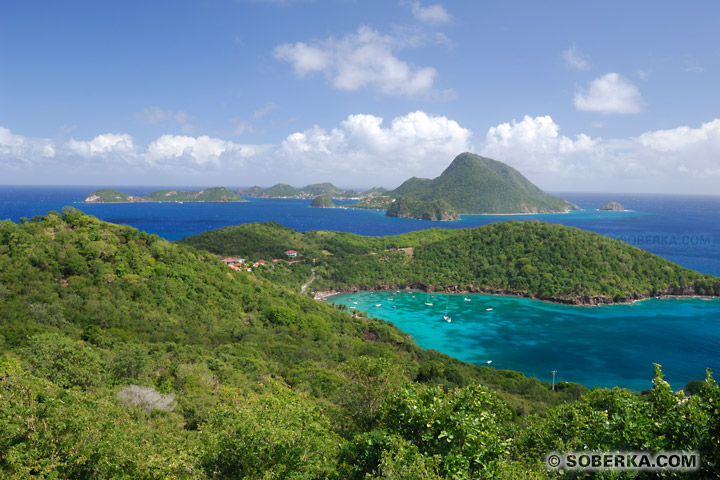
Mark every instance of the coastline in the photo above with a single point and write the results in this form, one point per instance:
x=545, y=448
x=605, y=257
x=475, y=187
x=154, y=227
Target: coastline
x=583, y=301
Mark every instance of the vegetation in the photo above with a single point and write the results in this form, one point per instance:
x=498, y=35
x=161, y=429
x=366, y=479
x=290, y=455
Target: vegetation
x=322, y=201
x=125, y=356
x=282, y=190
x=475, y=184
x=108, y=195
x=216, y=194
x=404, y=207
x=531, y=258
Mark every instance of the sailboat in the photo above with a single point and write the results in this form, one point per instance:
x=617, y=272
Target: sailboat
x=427, y=300
x=445, y=317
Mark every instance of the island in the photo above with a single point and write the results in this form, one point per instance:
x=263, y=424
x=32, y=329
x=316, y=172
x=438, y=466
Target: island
x=438, y=210
x=283, y=190
x=471, y=184
x=613, y=207
x=108, y=195
x=322, y=201
x=215, y=194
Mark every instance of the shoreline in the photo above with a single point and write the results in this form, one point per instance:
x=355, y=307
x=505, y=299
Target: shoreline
x=584, y=301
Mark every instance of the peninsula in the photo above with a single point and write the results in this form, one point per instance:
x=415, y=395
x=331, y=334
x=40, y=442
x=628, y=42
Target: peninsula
x=216, y=194
x=530, y=258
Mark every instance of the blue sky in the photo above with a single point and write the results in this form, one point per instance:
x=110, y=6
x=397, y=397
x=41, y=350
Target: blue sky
x=595, y=96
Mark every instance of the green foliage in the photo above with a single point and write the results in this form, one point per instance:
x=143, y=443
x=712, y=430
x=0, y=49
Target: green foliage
x=280, y=434
x=475, y=184
x=322, y=201
x=103, y=327
x=215, y=194
x=405, y=207
x=534, y=259
x=464, y=428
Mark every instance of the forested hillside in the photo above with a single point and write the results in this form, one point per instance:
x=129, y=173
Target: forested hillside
x=126, y=356
x=534, y=259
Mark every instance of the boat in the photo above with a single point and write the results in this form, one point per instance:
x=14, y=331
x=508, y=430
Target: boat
x=427, y=300
x=445, y=317
x=466, y=299
x=378, y=305
x=488, y=309
x=489, y=362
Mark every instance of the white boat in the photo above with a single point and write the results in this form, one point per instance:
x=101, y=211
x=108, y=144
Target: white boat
x=466, y=299
x=489, y=362
x=427, y=300
x=378, y=305
x=445, y=317
x=488, y=309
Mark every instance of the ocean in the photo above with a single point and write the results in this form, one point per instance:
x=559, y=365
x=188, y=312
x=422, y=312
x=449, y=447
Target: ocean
x=599, y=346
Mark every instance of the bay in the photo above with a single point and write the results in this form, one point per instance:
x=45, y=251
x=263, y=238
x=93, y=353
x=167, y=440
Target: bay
x=604, y=346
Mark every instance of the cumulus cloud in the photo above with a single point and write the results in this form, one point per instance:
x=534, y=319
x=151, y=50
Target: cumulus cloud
x=416, y=144
x=364, y=59
x=108, y=145
x=365, y=150
x=683, y=159
x=17, y=151
x=575, y=59
x=198, y=152
x=610, y=93
x=535, y=145
x=433, y=14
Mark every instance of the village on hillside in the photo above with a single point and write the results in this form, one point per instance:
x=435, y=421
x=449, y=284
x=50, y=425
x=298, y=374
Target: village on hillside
x=242, y=263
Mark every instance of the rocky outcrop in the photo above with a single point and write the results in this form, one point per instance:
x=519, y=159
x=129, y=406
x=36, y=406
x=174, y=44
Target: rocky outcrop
x=613, y=207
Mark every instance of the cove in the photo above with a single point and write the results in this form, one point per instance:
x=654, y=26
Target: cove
x=607, y=346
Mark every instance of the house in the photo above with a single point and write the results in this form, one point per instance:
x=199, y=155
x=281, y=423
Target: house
x=228, y=260
x=261, y=262
x=291, y=253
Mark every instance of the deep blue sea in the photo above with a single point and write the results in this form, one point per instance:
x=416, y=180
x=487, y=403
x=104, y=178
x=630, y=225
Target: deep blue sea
x=601, y=346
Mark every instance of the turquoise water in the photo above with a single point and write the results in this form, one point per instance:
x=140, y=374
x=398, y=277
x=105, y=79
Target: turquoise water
x=604, y=346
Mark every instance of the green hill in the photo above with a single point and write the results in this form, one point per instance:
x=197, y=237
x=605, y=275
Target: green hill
x=475, y=184
x=322, y=201
x=281, y=190
x=216, y=194
x=405, y=207
x=326, y=188
x=250, y=192
x=108, y=195
x=533, y=259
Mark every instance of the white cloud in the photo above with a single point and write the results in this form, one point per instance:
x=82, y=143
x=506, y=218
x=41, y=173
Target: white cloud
x=433, y=14
x=365, y=150
x=416, y=144
x=198, y=152
x=17, y=151
x=575, y=59
x=535, y=145
x=683, y=159
x=610, y=93
x=364, y=59
x=105, y=145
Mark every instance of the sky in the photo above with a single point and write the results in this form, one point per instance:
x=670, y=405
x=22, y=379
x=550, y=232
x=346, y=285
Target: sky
x=610, y=96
